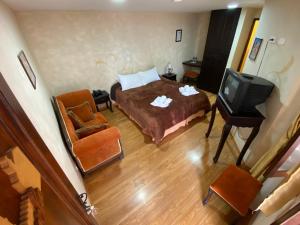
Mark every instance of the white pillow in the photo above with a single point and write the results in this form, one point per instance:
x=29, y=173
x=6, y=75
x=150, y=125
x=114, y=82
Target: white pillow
x=149, y=76
x=130, y=81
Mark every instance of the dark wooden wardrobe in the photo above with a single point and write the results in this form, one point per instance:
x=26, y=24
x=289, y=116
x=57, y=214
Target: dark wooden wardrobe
x=220, y=36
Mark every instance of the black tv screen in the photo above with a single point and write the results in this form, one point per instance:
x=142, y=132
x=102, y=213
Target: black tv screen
x=231, y=87
x=242, y=92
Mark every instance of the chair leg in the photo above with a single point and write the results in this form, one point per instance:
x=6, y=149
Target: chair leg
x=236, y=220
x=206, y=199
x=240, y=220
x=122, y=151
x=122, y=155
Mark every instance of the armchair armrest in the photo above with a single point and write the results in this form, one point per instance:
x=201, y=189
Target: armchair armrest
x=97, y=149
x=97, y=140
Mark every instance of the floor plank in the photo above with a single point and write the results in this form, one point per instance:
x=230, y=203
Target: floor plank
x=162, y=184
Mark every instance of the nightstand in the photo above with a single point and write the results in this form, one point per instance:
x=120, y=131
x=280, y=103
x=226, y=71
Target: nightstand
x=101, y=97
x=170, y=76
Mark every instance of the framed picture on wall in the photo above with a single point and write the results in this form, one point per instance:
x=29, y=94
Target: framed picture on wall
x=28, y=70
x=255, y=48
x=178, y=37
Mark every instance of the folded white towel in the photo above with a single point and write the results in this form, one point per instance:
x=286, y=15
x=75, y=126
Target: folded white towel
x=187, y=90
x=161, y=101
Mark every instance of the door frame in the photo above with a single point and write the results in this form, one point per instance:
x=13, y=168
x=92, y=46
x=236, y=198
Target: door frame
x=19, y=128
x=247, y=43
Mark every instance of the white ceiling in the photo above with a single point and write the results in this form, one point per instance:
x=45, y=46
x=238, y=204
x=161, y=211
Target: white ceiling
x=128, y=5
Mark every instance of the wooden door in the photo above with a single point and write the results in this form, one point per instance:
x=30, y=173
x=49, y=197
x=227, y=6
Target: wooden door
x=220, y=35
x=17, y=130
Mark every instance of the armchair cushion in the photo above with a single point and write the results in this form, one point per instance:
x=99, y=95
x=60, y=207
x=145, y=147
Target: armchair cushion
x=77, y=97
x=99, y=119
x=77, y=122
x=83, y=111
x=67, y=123
x=88, y=130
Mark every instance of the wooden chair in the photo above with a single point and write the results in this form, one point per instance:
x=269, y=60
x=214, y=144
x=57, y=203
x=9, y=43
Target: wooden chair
x=190, y=76
x=236, y=187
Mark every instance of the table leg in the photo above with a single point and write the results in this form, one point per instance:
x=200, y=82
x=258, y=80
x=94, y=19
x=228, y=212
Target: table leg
x=253, y=134
x=110, y=105
x=212, y=119
x=225, y=132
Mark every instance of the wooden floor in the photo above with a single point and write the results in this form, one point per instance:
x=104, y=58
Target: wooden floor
x=162, y=184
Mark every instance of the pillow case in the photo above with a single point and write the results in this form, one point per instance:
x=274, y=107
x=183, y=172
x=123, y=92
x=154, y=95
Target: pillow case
x=149, y=76
x=83, y=111
x=88, y=130
x=130, y=81
x=77, y=122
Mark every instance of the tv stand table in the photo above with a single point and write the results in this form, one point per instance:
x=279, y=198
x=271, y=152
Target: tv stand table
x=251, y=119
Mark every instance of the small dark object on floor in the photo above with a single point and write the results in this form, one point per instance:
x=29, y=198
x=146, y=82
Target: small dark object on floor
x=101, y=97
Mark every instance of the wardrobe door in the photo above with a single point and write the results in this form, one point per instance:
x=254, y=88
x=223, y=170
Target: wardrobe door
x=220, y=35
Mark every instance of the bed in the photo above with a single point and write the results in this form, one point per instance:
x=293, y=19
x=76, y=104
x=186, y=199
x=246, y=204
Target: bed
x=159, y=122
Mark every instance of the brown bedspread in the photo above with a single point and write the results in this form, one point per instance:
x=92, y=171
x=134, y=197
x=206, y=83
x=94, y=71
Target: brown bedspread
x=154, y=120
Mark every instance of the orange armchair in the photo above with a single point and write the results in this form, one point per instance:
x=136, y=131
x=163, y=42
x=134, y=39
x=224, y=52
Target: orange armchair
x=96, y=149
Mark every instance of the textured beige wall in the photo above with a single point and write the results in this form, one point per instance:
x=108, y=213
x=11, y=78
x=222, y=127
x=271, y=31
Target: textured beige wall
x=88, y=49
x=36, y=103
x=203, y=24
x=280, y=65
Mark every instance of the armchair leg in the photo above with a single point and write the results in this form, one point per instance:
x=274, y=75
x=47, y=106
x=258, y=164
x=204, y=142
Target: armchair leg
x=206, y=199
x=122, y=155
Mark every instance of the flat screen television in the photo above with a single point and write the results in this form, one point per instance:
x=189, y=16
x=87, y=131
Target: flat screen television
x=242, y=92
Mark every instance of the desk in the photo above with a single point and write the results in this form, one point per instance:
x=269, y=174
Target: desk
x=192, y=63
x=253, y=119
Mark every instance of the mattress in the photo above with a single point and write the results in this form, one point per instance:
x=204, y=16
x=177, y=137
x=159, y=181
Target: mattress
x=155, y=121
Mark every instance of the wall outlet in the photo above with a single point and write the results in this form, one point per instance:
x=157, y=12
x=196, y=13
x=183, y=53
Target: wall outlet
x=272, y=40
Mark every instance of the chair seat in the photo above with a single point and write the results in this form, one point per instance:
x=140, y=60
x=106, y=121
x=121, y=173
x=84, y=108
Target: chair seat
x=237, y=187
x=99, y=119
x=191, y=74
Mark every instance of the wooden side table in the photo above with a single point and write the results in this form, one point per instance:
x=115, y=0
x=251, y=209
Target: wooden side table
x=101, y=97
x=253, y=119
x=170, y=76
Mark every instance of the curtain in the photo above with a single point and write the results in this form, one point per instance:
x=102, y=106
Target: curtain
x=262, y=164
x=288, y=190
x=282, y=195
